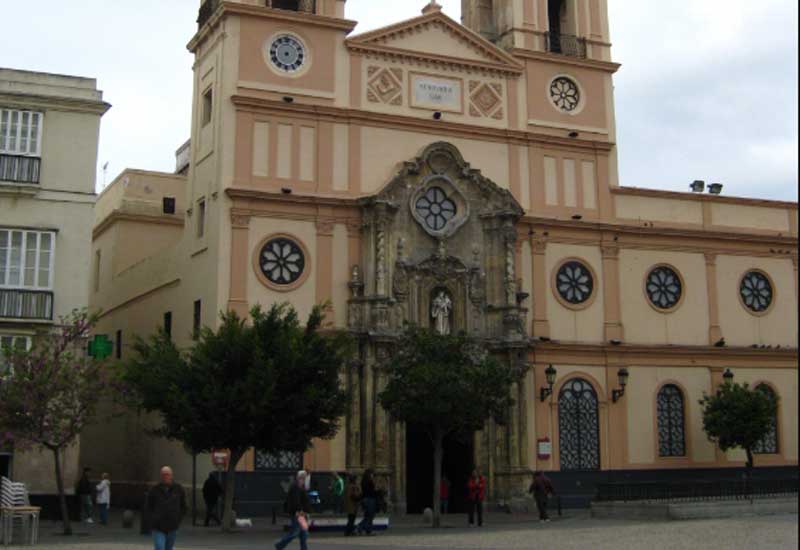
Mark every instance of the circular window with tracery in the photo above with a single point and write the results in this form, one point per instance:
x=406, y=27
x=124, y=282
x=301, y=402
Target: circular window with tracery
x=664, y=288
x=565, y=94
x=574, y=283
x=282, y=261
x=756, y=291
x=435, y=208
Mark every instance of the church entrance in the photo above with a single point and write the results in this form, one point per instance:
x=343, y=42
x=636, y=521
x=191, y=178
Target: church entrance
x=457, y=464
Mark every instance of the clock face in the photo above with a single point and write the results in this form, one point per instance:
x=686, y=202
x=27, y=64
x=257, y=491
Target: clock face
x=287, y=53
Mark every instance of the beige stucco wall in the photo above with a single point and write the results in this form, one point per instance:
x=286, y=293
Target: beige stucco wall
x=658, y=210
x=688, y=324
x=640, y=404
x=569, y=325
x=755, y=217
x=382, y=150
x=739, y=326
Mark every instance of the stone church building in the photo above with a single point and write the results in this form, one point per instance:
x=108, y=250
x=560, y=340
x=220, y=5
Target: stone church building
x=461, y=176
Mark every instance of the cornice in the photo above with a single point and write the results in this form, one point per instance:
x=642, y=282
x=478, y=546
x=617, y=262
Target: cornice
x=388, y=52
x=605, y=66
x=701, y=197
x=46, y=102
x=306, y=19
x=371, y=118
x=120, y=215
x=675, y=355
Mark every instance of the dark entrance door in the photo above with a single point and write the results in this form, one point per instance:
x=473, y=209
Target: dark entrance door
x=578, y=426
x=457, y=465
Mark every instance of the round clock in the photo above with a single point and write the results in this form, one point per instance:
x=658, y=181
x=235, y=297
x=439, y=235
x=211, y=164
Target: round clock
x=287, y=53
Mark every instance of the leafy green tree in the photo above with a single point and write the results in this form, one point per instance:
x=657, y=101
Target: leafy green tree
x=49, y=393
x=738, y=416
x=269, y=383
x=447, y=385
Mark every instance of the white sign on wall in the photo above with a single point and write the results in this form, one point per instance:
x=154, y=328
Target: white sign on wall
x=430, y=92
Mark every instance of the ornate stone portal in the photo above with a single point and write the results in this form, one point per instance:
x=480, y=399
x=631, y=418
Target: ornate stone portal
x=438, y=250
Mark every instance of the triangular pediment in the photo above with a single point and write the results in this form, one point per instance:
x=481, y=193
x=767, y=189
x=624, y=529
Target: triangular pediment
x=434, y=36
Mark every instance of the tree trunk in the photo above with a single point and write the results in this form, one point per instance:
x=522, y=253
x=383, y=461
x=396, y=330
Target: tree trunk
x=194, y=489
x=62, y=499
x=227, y=513
x=438, y=453
x=748, y=473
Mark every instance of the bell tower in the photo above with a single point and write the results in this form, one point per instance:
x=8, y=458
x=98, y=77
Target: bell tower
x=577, y=28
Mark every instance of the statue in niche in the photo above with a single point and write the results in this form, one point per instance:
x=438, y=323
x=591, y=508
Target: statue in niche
x=440, y=312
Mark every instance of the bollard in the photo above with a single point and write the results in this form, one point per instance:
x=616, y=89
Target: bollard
x=127, y=519
x=144, y=526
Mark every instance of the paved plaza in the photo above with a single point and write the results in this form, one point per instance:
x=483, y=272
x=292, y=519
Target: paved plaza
x=572, y=532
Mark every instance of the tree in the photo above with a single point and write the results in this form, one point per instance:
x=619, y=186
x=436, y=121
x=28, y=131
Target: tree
x=50, y=392
x=269, y=383
x=738, y=416
x=447, y=385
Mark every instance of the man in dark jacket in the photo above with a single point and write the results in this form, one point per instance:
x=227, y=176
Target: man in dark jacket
x=166, y=503
x=211, y=493
x=541, y=488
x=84, y=492
x=298, y=506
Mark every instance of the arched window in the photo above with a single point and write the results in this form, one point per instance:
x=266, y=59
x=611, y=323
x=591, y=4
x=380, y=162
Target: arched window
x=769, y=443
x=671, y=424
x=578, y=426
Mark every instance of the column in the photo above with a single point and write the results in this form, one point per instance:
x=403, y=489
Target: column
x=240, y=236
x=541, y=326
x=611, y=295
x=714, y=330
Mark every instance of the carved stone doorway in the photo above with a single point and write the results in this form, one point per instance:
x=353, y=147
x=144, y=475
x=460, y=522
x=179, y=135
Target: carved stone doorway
x=457, y=464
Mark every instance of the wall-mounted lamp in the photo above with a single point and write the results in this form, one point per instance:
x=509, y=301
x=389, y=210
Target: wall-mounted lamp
x=286, y=191
x=727, y=376
x=550, y=375
x=622, y=377
x=288, y=99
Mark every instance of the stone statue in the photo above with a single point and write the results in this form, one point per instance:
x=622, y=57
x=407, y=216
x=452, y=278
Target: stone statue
x=440, y=311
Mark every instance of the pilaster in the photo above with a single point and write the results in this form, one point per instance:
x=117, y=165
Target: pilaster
x=541, y=326
x=239, y=264
x=714, y=330
x=611, y=292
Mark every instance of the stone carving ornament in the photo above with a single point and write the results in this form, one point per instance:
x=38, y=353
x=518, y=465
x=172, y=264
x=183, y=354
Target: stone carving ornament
x=440, y=312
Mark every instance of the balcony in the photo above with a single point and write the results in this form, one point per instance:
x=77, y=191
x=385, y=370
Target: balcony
x=19, y=168
x=566, y=44
x=207, y=9
x=28, y=305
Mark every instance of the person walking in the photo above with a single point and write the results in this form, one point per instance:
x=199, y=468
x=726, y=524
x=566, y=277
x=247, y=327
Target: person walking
x=84, y=492
x=298, y=506
x=103, y=498
x=541, y=488
x=351, y=501
x=476, y=490
x=211, y=493
x=337, y=488
x=166, y=503
x=444, y=494
x=369, y=501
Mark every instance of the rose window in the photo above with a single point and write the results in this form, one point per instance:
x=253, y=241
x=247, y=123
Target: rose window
x=282, y=261
x=664, y=288
x=435, y=208
x=565, y=94
x=756, y=291
x=574, y=282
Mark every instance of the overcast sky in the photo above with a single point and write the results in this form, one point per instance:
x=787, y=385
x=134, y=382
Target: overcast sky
x=707, y=89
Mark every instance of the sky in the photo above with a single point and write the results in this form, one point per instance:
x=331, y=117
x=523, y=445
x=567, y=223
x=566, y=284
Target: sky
x=707, y=89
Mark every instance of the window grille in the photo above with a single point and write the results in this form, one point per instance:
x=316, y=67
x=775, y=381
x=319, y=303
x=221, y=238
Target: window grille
x=671, y=423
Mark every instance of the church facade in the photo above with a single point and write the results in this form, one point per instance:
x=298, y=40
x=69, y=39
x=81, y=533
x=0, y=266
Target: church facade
x=461, y=177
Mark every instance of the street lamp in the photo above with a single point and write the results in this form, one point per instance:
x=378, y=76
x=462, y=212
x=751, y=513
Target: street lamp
x=550, y=376
x=622, y=377
x=727, y=376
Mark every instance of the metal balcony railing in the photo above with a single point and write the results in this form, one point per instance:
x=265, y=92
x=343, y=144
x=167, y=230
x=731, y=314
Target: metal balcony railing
x=696, y=490
x=207, y=9
x=30, y=305
x=566, y=44
x=19, y=168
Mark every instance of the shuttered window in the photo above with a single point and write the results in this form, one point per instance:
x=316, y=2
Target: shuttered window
x=20, y=132
x=26, y=259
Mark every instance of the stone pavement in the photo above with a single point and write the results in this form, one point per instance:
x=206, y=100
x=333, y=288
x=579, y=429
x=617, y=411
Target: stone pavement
x=575, y=531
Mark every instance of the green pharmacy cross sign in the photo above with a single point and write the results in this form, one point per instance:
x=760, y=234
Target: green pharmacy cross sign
x=101, y=347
